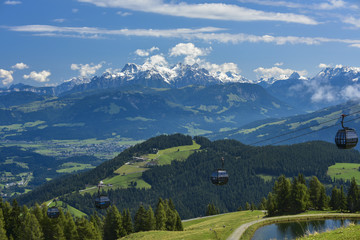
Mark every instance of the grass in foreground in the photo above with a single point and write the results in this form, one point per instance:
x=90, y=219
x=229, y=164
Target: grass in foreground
x=214, y=227
x=344, y=233
x=345, y=171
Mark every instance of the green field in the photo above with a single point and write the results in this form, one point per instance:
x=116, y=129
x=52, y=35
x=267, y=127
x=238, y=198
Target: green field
x=345, y=171
x=215, y=227
x=66, y=207
x=129, y=175
x=70, y=167
x=179, y=153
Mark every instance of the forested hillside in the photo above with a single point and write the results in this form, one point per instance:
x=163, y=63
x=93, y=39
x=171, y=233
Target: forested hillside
x=187, y=182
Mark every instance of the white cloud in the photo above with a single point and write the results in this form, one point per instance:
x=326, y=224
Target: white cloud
x=215, y=11
x=323, y=65
x=38, y=76
x=123, y=14
x=279, y=64
x=277, y=73
x=326, y=5
x=155, y=61
x=208, y=34
x=12, y=2
x=351, y=92
x=353, y=21
x=224, y=68
x=6, y=76
x=323, y=93
x=20, y=66
x=190, y=52
x=75, y=10
x=85, y=70
x=59, y=20
x=145, y=53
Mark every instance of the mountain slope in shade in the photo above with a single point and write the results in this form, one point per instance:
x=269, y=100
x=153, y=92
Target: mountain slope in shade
x=141, y=112
x=319, y=125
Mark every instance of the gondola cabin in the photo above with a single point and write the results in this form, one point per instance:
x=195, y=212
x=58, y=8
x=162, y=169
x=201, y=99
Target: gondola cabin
x=219, y=177
x=53, y=212
x=346, y=138
x=102, y=202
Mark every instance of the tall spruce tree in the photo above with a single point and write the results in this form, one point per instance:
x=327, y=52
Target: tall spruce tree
x=282, y=194
x=160, y=216
x=298, y=196
x=150, y=219
x=343, y=202
x=353, y=196
x=30, y=228
x=70, y=229
x=127, y=222
x=113, y=228
x=87, y=230
x=140, y=220
x=2, y=226
x=335, y=198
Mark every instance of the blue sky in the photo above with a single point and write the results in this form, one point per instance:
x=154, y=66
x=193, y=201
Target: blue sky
x=46, y=42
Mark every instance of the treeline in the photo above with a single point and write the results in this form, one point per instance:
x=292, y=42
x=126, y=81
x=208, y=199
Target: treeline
x=296, y=196
x=188, y=182
x=20, y=223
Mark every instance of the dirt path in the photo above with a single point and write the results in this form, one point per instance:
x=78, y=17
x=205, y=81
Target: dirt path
x=240, y=230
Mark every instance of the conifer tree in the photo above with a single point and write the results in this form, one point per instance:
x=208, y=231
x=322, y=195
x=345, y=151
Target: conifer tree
x=271, y=204
x=30, y=228
x=14, y=221
x=160, y=216
x=298, y=196
x=353, y=196
x=247, y=206
x=140, y=220
x=2, y=226
x=282, y=194
x=70, y=229
x=178, y=223
x=87, y=230
x=170, y=220
x=343, y=203
x=127, y=222
x=323, y=199
x=113, y=228
x=150, y=219
x=314, y=192
x=335, y=198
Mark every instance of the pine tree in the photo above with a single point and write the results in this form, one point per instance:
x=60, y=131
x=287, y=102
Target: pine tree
x=335, y=198
x=113, y=227
x=14, y=221
x=178, y=223
x=70, y=230
x=30, y=228
x=170, y=220
x=323, y=199
x=271, y=205
x=247, y=206
x=353, y=196
x=343, y=203
x=127, y=222
x=282, y=194
x=87, y=230
x=314, y=192
x=160, y=216
x=298, y=196
x=140, y=220
x=2, y=226
x=150, y=219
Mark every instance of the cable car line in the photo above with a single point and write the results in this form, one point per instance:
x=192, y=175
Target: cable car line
x=304, y=128
x=312, y=132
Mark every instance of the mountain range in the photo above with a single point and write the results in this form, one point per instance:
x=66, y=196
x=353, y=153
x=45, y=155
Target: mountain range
x=141, y=101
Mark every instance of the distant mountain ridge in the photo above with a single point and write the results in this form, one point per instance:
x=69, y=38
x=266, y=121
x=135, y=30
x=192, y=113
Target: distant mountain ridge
x=180, y=75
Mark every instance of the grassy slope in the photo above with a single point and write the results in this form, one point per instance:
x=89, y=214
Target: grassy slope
x=203, y=228
x=345, y=171
x=132, y=172
x=345, y=233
